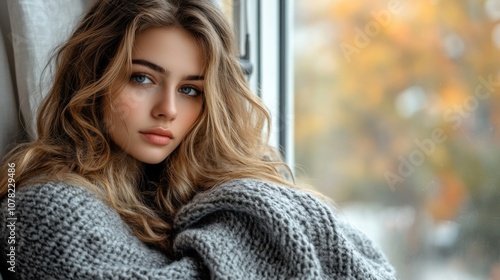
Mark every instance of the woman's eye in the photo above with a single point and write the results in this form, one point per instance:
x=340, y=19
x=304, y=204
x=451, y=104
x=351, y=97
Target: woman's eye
x=191, y=91
x=140, y=79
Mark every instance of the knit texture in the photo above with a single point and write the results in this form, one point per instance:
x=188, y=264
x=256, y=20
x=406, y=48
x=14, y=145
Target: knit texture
x=243, y=229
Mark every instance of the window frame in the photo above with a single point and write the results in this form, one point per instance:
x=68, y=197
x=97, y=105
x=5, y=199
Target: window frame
x=269, y=26
x=271, y=22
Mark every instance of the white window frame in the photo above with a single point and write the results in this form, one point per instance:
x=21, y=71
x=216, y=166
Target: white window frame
x=271, y=24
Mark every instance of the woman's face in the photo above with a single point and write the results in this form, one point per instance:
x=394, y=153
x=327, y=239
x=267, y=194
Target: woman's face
x=163, y=97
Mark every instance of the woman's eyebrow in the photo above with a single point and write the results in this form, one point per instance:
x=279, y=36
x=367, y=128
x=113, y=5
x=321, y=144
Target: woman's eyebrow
x=194, y=78
x=150, y=65
x=161, y=70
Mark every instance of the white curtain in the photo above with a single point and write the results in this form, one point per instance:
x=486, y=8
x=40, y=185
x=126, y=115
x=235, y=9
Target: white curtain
x=38, y=26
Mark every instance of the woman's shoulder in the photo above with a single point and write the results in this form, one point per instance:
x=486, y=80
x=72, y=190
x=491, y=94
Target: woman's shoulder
x=66, y=231
x=253, y=190
x=54, y=190
x=54, y=201
x=281, y=222
x=53, y=194
x=257, y=198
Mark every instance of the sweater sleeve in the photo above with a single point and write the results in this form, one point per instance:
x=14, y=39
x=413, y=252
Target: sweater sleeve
x=64, y=232
x=248, y=229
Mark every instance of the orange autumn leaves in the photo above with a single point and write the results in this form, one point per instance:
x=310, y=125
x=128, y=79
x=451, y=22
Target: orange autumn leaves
x=348, y=123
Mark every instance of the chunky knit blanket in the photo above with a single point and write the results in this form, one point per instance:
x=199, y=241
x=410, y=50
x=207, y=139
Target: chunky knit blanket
x=244, y=229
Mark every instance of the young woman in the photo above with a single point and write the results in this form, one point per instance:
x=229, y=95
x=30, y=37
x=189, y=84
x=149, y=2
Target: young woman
x=151, y=162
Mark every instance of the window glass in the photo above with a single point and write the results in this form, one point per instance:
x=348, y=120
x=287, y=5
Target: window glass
x=397, y=117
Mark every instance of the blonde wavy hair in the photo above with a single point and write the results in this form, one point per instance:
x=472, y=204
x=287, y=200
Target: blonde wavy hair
x=227, y=142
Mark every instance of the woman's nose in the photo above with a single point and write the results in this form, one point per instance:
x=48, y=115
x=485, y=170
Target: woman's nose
x=166, y=106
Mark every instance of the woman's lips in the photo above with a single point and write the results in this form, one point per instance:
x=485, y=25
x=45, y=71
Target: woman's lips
x=158, y=136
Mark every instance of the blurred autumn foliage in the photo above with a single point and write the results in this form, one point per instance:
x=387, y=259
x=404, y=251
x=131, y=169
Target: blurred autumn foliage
x=397, y=101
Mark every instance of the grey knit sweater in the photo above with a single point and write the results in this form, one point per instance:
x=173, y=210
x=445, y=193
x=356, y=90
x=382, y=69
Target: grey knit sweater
x=244, y=229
